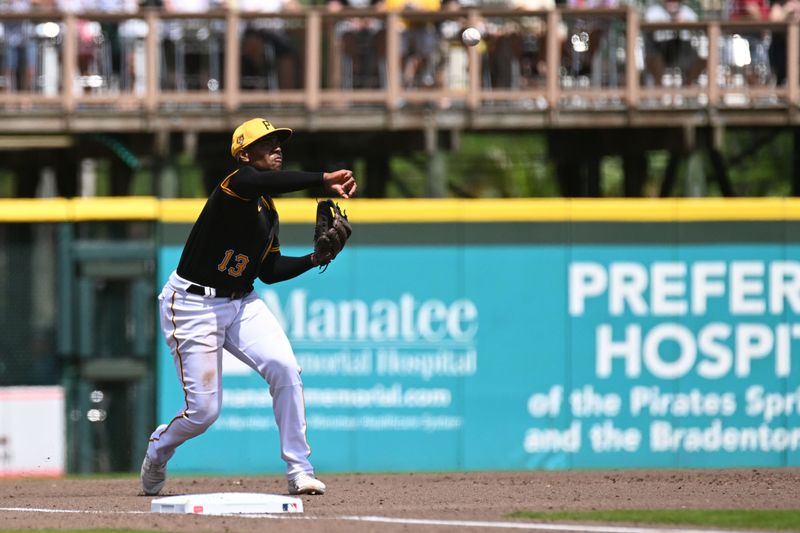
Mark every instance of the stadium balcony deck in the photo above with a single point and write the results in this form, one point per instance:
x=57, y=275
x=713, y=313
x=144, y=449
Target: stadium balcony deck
x=322, y=71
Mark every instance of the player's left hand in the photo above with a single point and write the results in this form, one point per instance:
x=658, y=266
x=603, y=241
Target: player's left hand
x=341, y=182
x=331, y=231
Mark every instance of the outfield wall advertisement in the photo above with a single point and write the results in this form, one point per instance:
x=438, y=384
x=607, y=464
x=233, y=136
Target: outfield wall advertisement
x=525, y=355
x=28, y=449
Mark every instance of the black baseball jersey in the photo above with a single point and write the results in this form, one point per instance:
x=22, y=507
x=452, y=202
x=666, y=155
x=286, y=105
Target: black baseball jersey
x=238, y=228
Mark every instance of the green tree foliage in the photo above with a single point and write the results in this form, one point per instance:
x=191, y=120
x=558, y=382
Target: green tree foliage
x=759, y=162
x=503, y=165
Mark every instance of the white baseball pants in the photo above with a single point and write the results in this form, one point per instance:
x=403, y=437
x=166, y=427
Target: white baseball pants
x=196, y=329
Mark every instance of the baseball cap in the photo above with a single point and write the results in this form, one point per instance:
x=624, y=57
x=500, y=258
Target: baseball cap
x=253, y=130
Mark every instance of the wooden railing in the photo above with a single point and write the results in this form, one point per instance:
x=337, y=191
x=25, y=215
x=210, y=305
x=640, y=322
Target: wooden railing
x=621, y=86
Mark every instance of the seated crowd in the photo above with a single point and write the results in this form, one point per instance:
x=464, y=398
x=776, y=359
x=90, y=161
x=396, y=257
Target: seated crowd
x=514, y=47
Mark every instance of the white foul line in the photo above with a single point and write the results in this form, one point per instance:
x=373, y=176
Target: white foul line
x=527, y=525
x=417, y=521
x=70, y=511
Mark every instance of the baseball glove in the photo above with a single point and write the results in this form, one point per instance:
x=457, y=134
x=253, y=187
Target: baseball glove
x=330, y=232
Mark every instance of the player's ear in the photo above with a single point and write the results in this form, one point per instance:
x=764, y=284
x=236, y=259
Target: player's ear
x=243, y=157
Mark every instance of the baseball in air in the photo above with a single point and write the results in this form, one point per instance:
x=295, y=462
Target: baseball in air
x=471, y=36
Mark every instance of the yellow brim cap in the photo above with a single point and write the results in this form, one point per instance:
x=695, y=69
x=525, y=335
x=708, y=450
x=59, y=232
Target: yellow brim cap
x=253, y=130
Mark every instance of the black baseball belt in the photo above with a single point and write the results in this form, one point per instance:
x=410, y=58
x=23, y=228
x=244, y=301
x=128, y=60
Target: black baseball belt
x=219, y=293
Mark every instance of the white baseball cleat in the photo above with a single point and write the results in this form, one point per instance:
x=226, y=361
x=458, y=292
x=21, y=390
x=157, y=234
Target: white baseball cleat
x=153, y=476
x=306, y=484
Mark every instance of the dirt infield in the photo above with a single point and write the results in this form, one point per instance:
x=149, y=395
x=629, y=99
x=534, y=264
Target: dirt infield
x=448, y=497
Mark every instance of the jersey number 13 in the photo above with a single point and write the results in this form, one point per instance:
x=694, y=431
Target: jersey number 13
x=236, y=269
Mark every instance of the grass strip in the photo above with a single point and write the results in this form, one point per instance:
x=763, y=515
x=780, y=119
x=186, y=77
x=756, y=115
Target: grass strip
x=779, y=519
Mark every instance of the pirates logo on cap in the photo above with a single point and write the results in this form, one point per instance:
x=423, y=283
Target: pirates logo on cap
x=251, y=131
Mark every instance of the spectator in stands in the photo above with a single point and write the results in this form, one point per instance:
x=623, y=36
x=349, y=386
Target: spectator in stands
x=358, y=49
x=530, y=49
x=89, y=35
x=754, y=55
x=748, y=10
x=781, y=11
x=110, y=6
x=257, y=69
x=585, y=38
x=419, y=43
x=671, y=49
x=19, y=46
x=192, y=47
x=99, y=49
x=192, y=6
x=454, y=71
x=268, y=52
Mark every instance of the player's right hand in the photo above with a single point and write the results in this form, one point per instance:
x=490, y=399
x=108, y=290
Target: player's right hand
x=340, y=182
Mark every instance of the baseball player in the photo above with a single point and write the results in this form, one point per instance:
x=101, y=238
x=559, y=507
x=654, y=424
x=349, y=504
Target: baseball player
x=208, y=303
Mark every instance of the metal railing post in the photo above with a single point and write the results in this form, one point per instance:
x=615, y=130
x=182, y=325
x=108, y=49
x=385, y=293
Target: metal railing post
x=793, y=62
x=70, y=62
x=553, y=57
x=631, y=45
x=151, y=60
x=231, y=58
x=393, y=66
x=714, y=36
x=474, y=61
x=313, y=51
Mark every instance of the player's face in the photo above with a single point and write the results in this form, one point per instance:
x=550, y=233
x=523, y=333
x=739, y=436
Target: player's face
x=266, y=154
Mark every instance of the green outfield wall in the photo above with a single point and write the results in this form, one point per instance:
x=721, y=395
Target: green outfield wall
x=511, y=334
